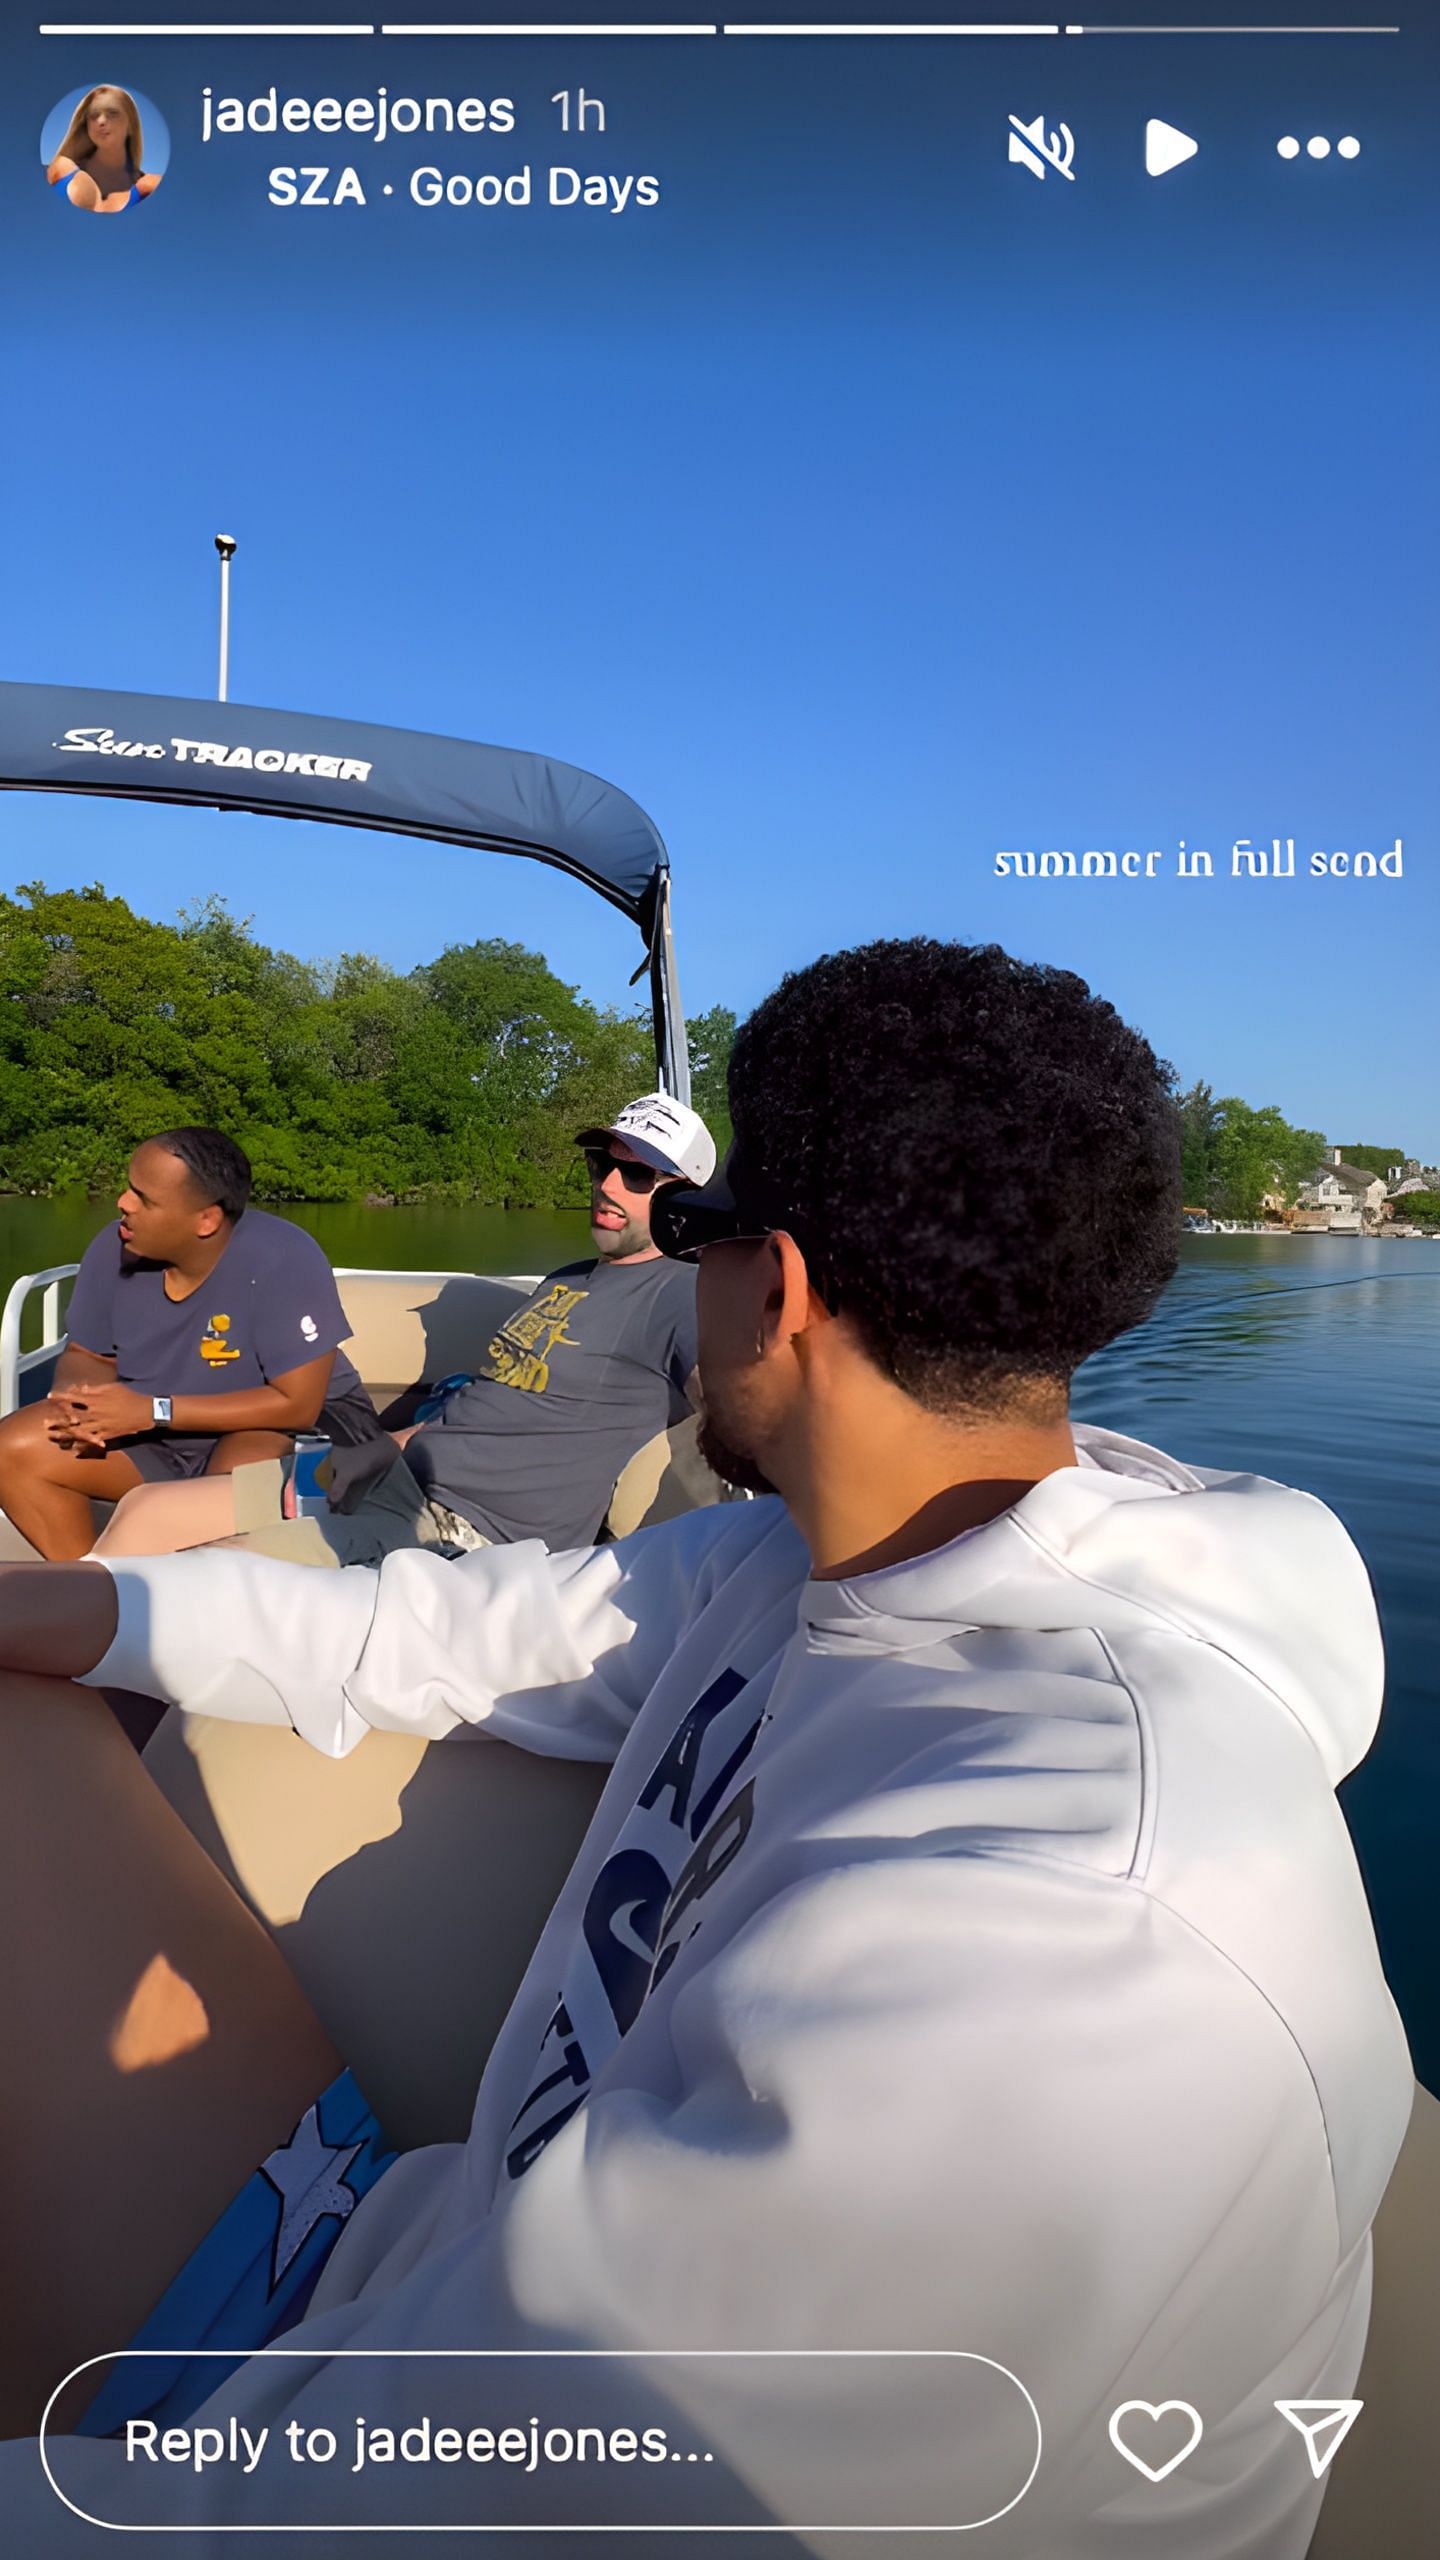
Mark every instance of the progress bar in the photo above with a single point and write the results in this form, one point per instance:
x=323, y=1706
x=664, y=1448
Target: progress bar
x=217, y=30
x=531, y=28
x=1232, y=31
x=1028, y=29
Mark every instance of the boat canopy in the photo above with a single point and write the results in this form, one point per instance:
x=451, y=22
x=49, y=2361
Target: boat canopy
x=297, y=764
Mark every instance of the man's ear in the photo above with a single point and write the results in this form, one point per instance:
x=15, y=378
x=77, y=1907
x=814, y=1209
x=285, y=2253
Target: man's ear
x=791, y=1305
x=210, y=1220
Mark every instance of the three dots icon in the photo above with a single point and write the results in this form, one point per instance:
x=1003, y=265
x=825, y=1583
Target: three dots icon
x=1318, y=147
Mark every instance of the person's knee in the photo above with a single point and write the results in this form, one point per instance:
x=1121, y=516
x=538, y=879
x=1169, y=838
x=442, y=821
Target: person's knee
x=25, y=1443
x=127, y=1523
x=25, y=1424
x=163, y=1519
x=42, y=1696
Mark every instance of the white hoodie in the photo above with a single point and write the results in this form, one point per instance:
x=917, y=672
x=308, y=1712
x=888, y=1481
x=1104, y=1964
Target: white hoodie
x=970, y=1957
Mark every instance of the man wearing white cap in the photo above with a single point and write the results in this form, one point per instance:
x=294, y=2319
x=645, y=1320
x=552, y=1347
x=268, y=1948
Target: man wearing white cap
x=589, y=1369
x=579, y=1378
x=662, y=1133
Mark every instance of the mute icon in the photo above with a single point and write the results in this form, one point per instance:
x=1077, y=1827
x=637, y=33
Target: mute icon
x=1032, y=148
x=1324, y=2424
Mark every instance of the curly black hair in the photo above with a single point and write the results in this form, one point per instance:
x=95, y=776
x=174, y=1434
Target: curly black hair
x=979, y=1160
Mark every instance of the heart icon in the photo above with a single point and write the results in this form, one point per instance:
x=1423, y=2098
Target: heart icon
x=1155, y=2411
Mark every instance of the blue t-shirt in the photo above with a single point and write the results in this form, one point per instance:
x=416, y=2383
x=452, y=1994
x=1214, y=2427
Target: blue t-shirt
x=269, y=1305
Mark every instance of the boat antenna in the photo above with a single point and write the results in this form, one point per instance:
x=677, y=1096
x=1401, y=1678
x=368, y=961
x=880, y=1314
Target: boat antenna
x=225, y=545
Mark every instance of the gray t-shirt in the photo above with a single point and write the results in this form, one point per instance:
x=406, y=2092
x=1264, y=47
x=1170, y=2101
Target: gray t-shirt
x=269, y=1305
x=576, y=1380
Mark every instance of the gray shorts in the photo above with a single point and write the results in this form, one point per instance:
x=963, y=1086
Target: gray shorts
x=160, y=1459
x=393, y=1512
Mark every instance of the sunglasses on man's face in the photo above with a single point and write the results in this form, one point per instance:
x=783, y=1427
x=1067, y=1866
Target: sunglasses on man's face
x=639, y=1178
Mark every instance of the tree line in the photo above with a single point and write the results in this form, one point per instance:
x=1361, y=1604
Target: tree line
x=465, y=1079
x=1234, y=1159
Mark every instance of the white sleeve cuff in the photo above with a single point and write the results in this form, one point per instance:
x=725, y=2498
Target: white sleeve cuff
x=224, y=1634
x=127, y=1664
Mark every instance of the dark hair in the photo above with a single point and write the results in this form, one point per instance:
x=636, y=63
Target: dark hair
x=979, y=1160
x=218, y=1169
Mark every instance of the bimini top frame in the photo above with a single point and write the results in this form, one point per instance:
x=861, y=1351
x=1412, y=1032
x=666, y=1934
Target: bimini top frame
x=292, y=764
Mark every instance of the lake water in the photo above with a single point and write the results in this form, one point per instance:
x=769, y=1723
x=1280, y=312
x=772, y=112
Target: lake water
x=1315, y=1359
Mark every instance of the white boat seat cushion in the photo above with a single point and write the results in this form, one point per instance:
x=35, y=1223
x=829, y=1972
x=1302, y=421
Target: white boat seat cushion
x=406, y=1329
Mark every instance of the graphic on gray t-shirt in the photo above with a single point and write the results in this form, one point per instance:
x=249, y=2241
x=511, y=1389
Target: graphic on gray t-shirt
x=592, y=1366
x=269, y=1305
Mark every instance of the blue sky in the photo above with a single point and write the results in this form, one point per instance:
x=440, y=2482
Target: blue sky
x=863, y=508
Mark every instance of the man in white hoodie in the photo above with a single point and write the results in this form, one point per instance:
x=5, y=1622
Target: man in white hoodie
x=963, y=2017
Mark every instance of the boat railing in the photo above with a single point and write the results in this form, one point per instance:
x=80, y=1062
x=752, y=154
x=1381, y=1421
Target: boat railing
x=17, y=1365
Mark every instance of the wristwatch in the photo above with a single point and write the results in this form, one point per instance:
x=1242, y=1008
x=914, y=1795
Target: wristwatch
x=160, y=1412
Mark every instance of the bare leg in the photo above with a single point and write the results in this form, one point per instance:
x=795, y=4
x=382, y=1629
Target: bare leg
x=156, y=2046
x=47, y=1491
x=194, y=1511
x=160, y=1519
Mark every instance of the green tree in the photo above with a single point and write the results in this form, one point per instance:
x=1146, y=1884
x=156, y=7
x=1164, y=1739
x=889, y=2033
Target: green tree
x=94, y=1002
x=1256, y=1153
x=1201, y=1118
x=466, y=1079
x=711, y=1037
x=543, y=1062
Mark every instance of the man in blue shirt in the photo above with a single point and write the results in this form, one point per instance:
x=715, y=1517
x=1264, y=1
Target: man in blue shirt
x=201, y=1336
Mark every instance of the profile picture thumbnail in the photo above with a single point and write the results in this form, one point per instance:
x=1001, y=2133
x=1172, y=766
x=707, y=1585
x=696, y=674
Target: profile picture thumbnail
x=105, y=149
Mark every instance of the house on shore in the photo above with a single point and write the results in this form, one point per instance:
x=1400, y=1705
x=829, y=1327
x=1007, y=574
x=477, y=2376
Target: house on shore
x=1405, y=1181
x=1345, y=1200
x=1341, y=1200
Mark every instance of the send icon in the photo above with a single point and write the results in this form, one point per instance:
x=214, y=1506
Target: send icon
x=1324, y=2424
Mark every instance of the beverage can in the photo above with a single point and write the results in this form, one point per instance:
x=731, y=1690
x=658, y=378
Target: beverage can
x=309, y=1470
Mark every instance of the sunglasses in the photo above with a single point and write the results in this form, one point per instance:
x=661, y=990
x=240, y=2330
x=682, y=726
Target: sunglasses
x=685, y=1220
x=639, y=1178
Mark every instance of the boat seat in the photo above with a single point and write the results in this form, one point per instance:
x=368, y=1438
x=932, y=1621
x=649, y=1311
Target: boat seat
x=407, y=1885
x=1383, y=2501
x=390, y=1879
x=406, y=1328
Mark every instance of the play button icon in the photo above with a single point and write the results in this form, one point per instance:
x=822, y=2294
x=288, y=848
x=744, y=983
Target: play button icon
x=1166, y=146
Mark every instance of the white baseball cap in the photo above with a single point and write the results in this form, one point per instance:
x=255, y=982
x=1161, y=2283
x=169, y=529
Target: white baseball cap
x=661, y=1132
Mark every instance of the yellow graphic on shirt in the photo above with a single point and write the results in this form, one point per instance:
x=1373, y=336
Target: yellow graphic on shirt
x=520, y=1352
x=215, y=1344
